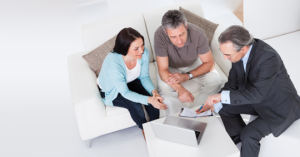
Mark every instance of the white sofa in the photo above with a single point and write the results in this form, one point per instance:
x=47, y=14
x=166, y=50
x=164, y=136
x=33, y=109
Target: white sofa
x=93, y=117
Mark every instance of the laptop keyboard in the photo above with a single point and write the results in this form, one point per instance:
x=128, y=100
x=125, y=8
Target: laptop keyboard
x=197, y=134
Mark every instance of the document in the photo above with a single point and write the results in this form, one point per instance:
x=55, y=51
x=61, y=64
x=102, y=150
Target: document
x=186, y=112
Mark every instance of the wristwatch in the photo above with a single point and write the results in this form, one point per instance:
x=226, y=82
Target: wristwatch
x=190, y=75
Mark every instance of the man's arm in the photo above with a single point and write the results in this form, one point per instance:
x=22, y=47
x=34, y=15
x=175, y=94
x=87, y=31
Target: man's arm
x=207, y=65
x=214, y=102
x=163, y=70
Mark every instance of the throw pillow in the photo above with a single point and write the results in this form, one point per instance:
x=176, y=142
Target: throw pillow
x=208, y=27
x=96, y=57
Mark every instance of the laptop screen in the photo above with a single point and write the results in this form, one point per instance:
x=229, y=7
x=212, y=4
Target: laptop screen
x=197, y=133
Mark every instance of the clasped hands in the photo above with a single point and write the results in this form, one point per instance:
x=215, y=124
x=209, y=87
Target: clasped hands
x=209, y=103
x=183, y=94
x=175, y=78
x=157, y=101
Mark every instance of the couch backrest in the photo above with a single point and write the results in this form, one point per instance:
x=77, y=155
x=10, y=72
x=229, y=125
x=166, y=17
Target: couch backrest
x=96, y=33
x=153, y=17
x=268, y=18
x=225, y=65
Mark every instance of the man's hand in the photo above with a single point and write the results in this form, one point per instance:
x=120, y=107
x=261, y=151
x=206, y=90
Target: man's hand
x=209, y=103
x=175, y=78
x=205, y=108
x=184, y=95
x=213, y=99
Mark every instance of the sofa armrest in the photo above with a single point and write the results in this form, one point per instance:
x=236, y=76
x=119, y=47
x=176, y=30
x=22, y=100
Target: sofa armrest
x=225, y=65
x=224, y=22
x=84, y=90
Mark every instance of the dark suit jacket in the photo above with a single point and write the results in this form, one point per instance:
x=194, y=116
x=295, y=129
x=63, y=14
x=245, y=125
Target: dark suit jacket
x=267, y=86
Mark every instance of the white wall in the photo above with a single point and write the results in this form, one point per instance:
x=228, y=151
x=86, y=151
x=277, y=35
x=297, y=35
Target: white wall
x=269, y=18
x=214, y=8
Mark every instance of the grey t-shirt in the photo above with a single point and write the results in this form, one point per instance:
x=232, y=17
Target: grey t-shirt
x=196, y=43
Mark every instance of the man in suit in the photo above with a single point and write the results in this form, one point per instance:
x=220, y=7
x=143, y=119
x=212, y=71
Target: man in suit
x=258, y=84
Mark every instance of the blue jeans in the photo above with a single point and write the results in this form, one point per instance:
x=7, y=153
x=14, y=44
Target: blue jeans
x=135, y=109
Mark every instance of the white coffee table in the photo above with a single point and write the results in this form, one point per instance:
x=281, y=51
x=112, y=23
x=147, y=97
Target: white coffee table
x=214, y=143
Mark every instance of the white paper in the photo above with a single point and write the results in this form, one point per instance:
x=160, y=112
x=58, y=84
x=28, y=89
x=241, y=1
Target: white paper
x=191, y=113
x=203, y=114
x=188, y=113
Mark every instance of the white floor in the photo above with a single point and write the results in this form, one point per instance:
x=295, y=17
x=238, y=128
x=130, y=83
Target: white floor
x=36, y=112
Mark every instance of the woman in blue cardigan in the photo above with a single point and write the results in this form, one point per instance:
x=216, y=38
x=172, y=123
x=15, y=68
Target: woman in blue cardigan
x=124, y=78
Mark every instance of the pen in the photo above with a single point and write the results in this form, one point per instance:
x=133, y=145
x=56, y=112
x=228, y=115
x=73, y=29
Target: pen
x=200, y=108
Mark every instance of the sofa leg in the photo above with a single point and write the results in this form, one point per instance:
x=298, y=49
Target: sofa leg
x=88, y=143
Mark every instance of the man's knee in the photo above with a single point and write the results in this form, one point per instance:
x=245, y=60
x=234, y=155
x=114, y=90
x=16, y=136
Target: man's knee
x=214, y=81
x=225, y=111
x=164, y=87
x=250, y=134
x=173, y=103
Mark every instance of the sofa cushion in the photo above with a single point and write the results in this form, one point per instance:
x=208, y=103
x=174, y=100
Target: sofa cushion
x=208, y=26
x=114, y=110
x=96, y=33
x=153, y=73
x=96, y=57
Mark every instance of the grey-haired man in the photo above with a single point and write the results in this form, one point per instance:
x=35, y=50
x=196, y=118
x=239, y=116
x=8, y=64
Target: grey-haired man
x=258, y=84
x=185, y=62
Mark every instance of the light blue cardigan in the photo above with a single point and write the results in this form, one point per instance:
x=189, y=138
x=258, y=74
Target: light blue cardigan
x=112, y=79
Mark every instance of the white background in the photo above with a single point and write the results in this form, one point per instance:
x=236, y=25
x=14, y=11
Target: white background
x=269, y=18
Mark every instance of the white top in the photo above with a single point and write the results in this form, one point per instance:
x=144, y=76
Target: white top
x=134, y=73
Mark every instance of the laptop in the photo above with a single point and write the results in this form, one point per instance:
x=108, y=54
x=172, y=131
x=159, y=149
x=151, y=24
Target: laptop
x=179, y=130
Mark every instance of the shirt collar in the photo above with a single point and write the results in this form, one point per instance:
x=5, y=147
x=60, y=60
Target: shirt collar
x=246, y=57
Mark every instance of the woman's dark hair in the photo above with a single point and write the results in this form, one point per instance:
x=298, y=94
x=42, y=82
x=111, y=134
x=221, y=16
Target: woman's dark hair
x=125, y=37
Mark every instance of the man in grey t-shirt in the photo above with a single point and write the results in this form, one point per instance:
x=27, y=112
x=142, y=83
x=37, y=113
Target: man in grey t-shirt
x=185, y=63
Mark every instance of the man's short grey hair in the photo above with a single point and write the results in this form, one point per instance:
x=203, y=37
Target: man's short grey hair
x=172, y=19
x=238, y=35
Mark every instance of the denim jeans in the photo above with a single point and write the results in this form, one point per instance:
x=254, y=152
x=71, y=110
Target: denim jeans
x=135, y=109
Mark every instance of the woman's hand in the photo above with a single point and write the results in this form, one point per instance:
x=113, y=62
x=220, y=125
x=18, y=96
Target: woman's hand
x=157, y=96
x=155, y=103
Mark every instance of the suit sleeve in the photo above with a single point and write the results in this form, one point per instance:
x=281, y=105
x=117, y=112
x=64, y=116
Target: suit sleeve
x=232, y=83
x=266, y=74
